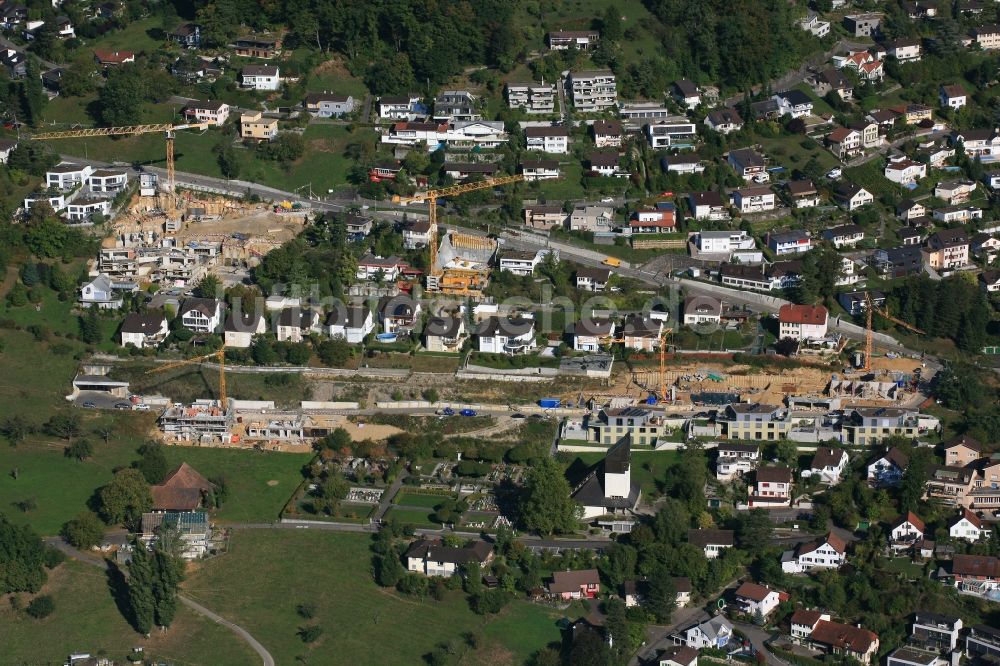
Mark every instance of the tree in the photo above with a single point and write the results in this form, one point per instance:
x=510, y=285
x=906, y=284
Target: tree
x=84, y=530
x=388, y=569
x=310, y=633
x=64, y=424
x=611, y=24
x=142, y=603
x=208, y=287
x=229, y=162
x=786, y=346
x=545, y=505
x=334, y=352
x=589, y=649
x=121, y=99
x=661, y=596
x=153, y=463
x=753, y=530
x=125, y=499
x=15, y=428
x=41, y=607
x=81, y=449
x=77, y=80
x=90, y=327
x=168, y=572
x=22, y=558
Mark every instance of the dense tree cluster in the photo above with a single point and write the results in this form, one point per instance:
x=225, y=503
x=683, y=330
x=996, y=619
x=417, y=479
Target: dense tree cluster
x=952, y=308
x=22, y=558
x=154, y=577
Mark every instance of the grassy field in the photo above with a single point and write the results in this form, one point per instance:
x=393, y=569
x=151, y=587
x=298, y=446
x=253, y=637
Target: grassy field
x=407, y=498
x=415, y=517
x=259, y=482
x=87, y=619
x=324, y=164
x=870, y=176
x=354, y=613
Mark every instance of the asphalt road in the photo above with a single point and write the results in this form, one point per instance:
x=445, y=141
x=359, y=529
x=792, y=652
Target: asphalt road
x=266, y=658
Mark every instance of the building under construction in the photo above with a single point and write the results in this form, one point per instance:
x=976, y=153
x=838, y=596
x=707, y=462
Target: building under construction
x=462, y=266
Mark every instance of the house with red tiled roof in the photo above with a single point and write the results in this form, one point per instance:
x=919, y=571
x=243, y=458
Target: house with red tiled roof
x=906, y=531
x=113, y=58
x=978, y=574
x=845, y=639
x=802, y=322
x=757, y=600
x=583, y=584
x=182, y=490
x=966, y=526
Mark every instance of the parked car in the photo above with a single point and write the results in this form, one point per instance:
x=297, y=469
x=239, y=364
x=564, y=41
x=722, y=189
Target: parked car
x=835, y=172
x=89, y=405
x=468, y=412
x=447, y=411
x=123, y=405
x=518, y=415
x=142, y=407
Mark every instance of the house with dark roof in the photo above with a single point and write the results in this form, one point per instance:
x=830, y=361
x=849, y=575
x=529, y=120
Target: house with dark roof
x=432, y=558
x=712, y=541
x=187, y=35
x=592, y=279
x=296, y=324
x=962, y=450
x=897, y=262
x=506, y=335
x=201, y=315
x=144, y=330
x=241, y=327
x=398, y=313
x=794, y=103
x=887, y=470
x=445, y=334
x=827, y=465
x=352, y=322
x=569, y=585
x=772, y=487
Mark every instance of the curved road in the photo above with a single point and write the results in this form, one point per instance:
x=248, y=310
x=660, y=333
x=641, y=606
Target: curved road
x=266, y=658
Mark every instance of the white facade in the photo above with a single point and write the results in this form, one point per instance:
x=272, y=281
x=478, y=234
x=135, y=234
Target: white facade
x=66, y=176
x=965, y=529
x=593, y=90
x=261, y=77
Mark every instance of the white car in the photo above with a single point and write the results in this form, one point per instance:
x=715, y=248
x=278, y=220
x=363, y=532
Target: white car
x=835, y=172
x=761, y=178
x=608, y=200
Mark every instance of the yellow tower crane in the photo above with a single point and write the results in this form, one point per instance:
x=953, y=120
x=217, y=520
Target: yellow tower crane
x=219, y=355
x=168, y=129
x=431, y=197
x=870, y=307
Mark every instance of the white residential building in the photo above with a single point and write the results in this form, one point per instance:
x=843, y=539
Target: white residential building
x=671, y=132
x=802, y=322
x=201, y=315
x=967, y=527
x=144, y=330
x=756, y=600
x=753, y=200
x=353, y=323
x=524, y=263
x=66, y=176
x=827, y=553
x=827, y=465
x=211, y=112
x=503, y=335
x=261, y=77
x=547, y=139
x=240, y=328
x=904, y=171
x=593, y=90
x=532, y=97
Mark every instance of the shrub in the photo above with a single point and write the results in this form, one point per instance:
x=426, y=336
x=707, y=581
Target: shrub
x=41, y=607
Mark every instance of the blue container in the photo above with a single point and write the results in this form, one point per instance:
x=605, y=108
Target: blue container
x=549, y=403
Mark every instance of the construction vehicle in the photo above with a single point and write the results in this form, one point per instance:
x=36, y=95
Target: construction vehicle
x=461, y=280
x=613, y=262
x=168, y=129
x=219, y=356
x=870, y=307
